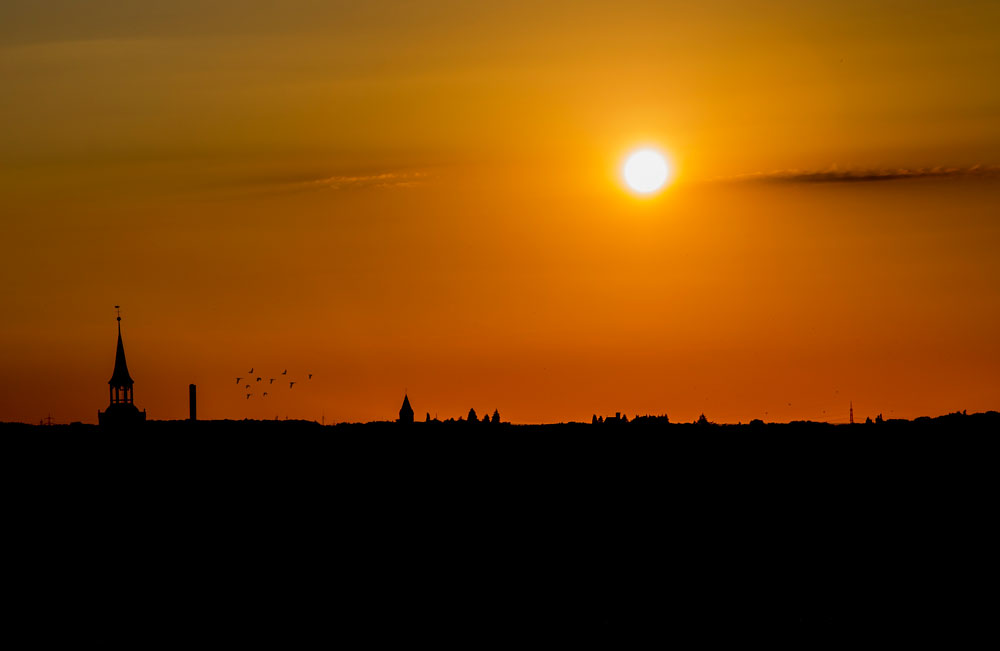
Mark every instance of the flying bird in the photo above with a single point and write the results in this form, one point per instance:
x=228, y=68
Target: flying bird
x=248, y=396
x=248, y=386
x=272, y=381
x=250, y=372
x=291, y=384
x=265, y=394
x=310, y=376
x=285, y=372
x=238, y=380
x=258, y=379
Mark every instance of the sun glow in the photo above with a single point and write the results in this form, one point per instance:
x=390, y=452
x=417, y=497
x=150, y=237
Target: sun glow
x=646, y=171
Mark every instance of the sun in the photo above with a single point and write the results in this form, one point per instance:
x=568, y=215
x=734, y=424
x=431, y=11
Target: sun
x=646, y=171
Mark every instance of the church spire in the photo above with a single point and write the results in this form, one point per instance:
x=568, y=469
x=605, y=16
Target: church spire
x=122, y=410
x=121, y=382
x=120, y=376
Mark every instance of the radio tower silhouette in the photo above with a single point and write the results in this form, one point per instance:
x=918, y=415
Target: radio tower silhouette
x=852, y=412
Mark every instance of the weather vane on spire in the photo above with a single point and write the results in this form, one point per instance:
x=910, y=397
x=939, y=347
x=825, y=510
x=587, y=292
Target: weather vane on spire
x=119, y=309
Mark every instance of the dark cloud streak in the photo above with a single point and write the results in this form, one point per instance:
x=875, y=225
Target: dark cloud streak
x=867, y=175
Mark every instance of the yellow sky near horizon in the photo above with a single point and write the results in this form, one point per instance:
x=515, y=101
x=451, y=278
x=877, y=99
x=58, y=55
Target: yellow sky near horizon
x=425, y=196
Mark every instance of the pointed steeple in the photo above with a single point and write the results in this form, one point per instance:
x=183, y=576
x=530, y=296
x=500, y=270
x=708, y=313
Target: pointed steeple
x=406, y=411
x=120, y=376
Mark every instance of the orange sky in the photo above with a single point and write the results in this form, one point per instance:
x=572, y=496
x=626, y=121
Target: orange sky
x=426, y=197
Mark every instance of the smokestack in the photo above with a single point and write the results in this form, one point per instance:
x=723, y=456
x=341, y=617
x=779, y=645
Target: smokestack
x=193, y=399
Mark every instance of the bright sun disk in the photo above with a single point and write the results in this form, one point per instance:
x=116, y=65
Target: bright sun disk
x=646, y=171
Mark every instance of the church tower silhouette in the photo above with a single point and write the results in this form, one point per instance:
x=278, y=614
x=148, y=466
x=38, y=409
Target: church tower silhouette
x=121, y=393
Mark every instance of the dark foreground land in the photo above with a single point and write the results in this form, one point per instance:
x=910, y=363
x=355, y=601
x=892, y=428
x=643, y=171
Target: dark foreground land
x=288, y=532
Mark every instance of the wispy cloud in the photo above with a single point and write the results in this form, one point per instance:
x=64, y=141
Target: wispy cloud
x=835, y=175
x=358, y=181
x=283, y=184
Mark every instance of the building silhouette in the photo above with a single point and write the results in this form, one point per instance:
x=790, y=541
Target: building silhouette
x=121, y=393
x=406, y=411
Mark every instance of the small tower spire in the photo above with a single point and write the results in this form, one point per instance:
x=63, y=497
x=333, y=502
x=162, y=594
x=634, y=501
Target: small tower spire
x=406, y=411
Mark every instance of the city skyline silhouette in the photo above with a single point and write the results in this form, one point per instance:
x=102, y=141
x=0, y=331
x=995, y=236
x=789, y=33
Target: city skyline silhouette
x=122, y=414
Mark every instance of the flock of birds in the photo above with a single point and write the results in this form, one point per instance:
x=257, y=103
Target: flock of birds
x=270, y=381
